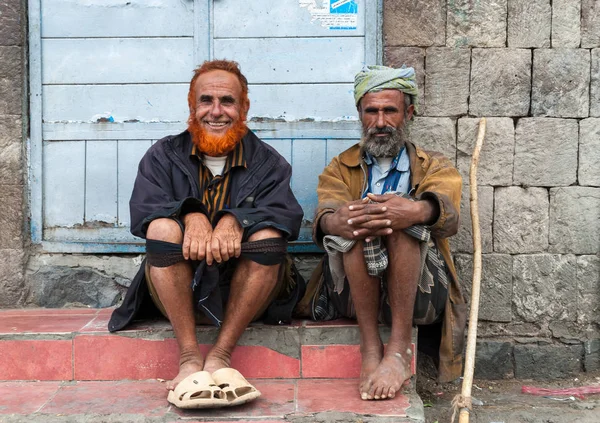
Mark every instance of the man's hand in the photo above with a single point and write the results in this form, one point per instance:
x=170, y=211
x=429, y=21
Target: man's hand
x=226, y=240
x=385, y=214
x=397, y=212
x=343, y=222
x=198, y=232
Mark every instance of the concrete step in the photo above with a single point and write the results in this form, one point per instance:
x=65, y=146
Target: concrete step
x=282, y=400
x=64, y=365
x=75, y=345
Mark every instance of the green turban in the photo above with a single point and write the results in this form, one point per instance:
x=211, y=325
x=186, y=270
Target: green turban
x=378, y=78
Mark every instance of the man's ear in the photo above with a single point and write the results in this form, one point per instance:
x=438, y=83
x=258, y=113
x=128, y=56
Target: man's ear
x=410, y=112
x=246, y=108
x=359, y=109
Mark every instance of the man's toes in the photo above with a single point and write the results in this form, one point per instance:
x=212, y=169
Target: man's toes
x=391, y=393
x=364, y=396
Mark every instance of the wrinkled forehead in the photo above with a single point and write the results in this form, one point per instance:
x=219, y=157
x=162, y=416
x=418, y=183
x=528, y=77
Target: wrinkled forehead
x=218, y=83
x=383, y=98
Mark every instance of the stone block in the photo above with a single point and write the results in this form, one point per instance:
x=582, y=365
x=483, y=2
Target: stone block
x=11, y=164
x=589, y=152
x=561, y=83
x=497, y=153
x=436, y=134
x=11, y=217
x=529, y=23
x=592, y=355
x=12, y=282
x=60, y=286
x=542, y=362
x=10, y=23
x=520, y=220
x=566, y=23
x=412, y=57
x=494, y=360
x=11, y=150
x=588, y=286
x=546, y=152
x=11, y=95
x=495, y=301
x=477, y=24
x=463, y=240
x=567, y=332
x=447, y=81
x=545, y=287
x=11, y=61
x=590, y=23
x=575, y=220
x=595, y=84
x=10, y=130
x=414, y=23
x=500, y=82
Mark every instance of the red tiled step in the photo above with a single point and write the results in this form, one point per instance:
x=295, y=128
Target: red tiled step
x=281, y=399
x=74, y=344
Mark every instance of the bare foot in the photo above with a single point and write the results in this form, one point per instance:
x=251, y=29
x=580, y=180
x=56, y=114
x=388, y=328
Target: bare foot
x=189, y=363
x=369, y=362
x=217, y=359
x=388, y=377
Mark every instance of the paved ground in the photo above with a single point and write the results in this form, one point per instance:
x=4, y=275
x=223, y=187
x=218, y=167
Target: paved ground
x=503, y=402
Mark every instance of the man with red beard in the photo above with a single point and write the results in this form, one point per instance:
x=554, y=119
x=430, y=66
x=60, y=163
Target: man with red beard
x=385, y=211
x=215, y=207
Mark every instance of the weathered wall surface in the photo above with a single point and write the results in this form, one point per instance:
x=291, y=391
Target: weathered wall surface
x=12, y=147
x=532, y=67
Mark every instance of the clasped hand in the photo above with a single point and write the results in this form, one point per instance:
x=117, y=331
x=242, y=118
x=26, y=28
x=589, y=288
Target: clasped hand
x=374, y=215
x=201, y=241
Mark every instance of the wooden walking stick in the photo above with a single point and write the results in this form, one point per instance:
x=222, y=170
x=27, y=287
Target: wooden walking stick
x=462, y=401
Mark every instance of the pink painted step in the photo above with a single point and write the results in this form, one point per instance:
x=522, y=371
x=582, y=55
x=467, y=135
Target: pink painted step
x=74, y=344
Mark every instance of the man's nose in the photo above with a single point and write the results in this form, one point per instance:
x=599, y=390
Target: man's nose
x=216, y=109
x=381, y=120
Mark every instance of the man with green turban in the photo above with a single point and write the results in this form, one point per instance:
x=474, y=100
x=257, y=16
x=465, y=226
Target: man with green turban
x=386, y=209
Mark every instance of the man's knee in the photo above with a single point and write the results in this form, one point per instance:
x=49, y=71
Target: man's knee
x=165, y=229
x=265, y=233
x=402, y=241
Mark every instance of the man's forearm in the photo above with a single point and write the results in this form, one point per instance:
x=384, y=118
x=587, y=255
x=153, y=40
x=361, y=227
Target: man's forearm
x=323, y=223
x=428, y=211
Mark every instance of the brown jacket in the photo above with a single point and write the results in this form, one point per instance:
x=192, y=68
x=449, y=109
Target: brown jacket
x=433, y=177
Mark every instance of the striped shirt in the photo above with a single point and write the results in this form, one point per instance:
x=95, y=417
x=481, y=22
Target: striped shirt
x=215, y=189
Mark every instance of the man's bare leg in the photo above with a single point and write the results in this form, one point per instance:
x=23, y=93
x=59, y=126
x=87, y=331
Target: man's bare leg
x=402, y=278
x=173, y=285
x=251, y=286
x=365, y=293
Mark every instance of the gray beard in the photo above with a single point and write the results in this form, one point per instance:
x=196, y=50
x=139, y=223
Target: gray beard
x=388, y=146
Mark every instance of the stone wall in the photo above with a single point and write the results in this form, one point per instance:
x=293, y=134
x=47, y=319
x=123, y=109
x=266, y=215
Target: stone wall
x=12, y=163
x=532, y=68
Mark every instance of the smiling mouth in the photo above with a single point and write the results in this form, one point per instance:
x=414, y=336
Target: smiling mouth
x=217, y=124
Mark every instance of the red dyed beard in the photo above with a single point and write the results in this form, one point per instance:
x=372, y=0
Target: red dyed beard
x=216, y=145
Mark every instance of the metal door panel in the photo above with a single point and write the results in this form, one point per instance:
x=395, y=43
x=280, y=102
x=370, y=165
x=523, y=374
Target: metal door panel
x=116, y=18
x=284, y=60
x=122, y=103
x=282, y=18
x=100, y=184
x=64, y=183
x=117, y=60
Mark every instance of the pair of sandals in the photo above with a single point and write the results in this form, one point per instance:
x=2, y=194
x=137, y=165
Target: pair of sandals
x=224, y=388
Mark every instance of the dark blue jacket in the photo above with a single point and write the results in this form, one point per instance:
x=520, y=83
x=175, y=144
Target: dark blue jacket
x=167, y=185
